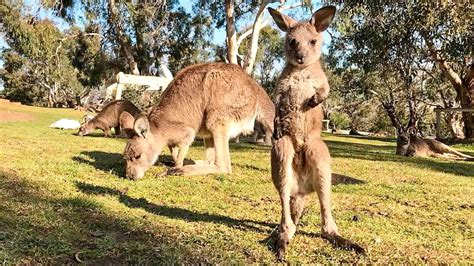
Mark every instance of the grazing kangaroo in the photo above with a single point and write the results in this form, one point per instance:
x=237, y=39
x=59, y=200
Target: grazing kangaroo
x=108, y=118
x=269, y=113
x=411, y=145
x=300, y=159
x=215, y=101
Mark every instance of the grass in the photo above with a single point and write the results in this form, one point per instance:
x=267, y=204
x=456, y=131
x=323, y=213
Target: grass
x=63, y=200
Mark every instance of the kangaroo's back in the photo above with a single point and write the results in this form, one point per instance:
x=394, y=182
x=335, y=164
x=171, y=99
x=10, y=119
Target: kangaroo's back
x=219, y=88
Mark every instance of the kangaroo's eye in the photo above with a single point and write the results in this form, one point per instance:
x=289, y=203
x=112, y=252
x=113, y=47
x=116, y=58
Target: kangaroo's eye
x=292, y=43
x=138, y=156
x=313, y=42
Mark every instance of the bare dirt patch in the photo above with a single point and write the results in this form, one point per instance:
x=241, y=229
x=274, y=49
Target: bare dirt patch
x=10, y=116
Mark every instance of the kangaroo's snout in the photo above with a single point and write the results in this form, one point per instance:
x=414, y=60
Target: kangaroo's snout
x=299, y=59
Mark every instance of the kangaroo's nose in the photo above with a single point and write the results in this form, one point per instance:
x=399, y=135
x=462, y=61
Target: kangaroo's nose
x=300, y=59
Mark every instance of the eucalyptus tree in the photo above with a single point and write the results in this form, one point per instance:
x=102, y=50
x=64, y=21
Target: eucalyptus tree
x=396, y=45
x=33, y=65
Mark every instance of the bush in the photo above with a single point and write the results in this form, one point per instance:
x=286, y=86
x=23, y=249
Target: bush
x=340, y=120
x=142, y=98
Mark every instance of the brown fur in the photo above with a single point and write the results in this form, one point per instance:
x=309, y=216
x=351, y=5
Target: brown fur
x=214, y=101
x=300, y=159
x=423, y=147
x=266, y=128
x=108, y=118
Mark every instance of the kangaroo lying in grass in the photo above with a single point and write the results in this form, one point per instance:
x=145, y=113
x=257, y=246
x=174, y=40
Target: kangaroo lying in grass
x=411, y=145
x=108, y=118
x=214, y=101
x=300, y=159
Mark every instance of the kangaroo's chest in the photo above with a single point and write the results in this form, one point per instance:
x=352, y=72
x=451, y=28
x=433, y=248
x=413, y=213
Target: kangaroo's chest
x=294, y=116
x=295, y=90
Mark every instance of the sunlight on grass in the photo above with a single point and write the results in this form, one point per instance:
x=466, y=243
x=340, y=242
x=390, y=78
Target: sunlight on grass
x=64, y=198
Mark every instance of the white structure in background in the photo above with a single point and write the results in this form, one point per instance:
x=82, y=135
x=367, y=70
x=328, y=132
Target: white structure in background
x=154, y=83
x=66, y=124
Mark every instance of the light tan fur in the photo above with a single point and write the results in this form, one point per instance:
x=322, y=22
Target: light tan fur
x=214, y=101
x=423, y=147
x=108, y=118
x=300, y=159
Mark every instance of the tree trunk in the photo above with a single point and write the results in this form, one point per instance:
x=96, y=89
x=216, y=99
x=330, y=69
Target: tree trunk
x=453, y=120
x=390, y=110
x=125, y=46
x=252, y=51
x=231, y=39
x=468, y=118
x=464, y=89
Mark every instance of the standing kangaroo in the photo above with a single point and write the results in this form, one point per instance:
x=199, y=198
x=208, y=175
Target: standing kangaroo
x=214, y=101
x=300, y=159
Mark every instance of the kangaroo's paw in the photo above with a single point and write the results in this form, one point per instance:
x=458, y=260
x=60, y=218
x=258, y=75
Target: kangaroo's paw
x=314, y=101
x=344, y=243
x=281, y=246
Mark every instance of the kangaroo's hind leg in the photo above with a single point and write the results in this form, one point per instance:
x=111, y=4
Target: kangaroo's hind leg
x=221, y=147
x=283, y=177
x=319, y=170
x=297, y=202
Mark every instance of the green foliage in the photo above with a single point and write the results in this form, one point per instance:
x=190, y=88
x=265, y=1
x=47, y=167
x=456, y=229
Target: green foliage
x=59, y=65
x=340, y=120
x=269, y=57
x=386, y=44
x=140, y=97
x=88, y=57
x=46, y=75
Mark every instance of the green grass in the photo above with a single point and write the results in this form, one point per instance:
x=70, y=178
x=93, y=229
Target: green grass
x=63, y=196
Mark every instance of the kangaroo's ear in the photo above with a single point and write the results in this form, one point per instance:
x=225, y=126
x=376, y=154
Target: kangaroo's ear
x=322, y=18
x=126, y=123
x=400, y=131
x=141, y=125
x=411, y=131
x=283, y=22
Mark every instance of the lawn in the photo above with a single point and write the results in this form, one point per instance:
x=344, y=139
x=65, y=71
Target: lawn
x=63, y=199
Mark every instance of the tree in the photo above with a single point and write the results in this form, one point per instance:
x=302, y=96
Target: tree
x=408, y=38
x=268, y=57
x=34, y=58
x=140, y=35
x=252, y=13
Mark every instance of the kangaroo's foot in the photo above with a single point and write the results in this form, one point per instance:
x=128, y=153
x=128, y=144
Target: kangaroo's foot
x=199, y=162
x=283, y=241
x=195, y=169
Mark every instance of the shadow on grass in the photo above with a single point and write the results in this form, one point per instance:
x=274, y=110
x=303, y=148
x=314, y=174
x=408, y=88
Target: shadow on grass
x=113, y=162
x=38, y=227
x=338, y=179
x=382, y=139
x=192, y=216
x=175, y=212
x=104, y=161
x=370, y=152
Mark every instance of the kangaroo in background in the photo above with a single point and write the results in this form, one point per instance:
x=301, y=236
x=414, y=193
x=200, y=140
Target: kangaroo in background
x=300, y=159
x=215, y=101
x=268, y=111
x=108, y=118
x=409, y=144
